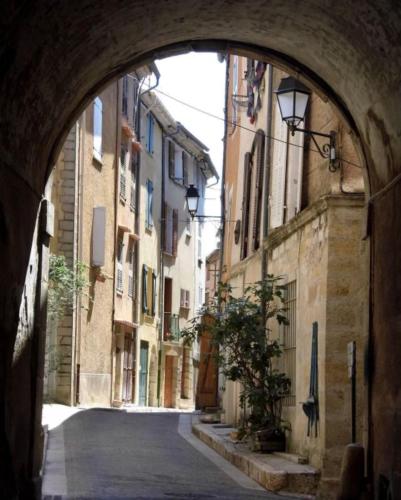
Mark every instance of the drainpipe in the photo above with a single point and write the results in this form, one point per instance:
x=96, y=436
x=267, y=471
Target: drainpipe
x=266, y=186
x=116, y=185
x=223, y=175
x=161, y=273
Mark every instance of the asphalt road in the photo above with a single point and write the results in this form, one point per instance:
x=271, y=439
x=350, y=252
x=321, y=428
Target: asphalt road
x=105, y=454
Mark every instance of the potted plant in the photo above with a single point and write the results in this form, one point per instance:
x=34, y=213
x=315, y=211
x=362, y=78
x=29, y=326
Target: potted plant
x=247, y=353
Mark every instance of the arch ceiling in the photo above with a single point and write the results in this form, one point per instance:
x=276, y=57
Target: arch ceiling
x=55, y=56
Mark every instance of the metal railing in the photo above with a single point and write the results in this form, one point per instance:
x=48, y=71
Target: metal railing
x=171, y=327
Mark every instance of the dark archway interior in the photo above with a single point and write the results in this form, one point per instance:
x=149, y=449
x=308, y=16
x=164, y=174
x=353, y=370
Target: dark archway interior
x=56, y=56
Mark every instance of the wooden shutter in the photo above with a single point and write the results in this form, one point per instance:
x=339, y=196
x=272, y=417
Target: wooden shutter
x=175, y=231
x=97, y=128
x=279, y=163
x=294, y=174
x=144, y=289
x=171, y=159
x=123, y=165
x=257, y=209
x=153, y=293
x=187, y=298
x=246, y=204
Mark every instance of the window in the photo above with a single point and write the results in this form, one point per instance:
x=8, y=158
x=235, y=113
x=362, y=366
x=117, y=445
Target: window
x=145, y=288
x=178, y=173
x=259, y=154
x=123, y=169
x=150, y=126
x=149, y=295
x=97, y=129
x=134, y=175
x=171, y=159
x=125, y=96
x=131, y=271
x=246, y=203
x=170, y=239
x=120, y=276
x=184, y=299
x=149, y=205
x=289, y=342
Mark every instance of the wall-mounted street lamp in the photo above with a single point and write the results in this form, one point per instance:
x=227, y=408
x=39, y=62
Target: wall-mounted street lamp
x=192, y=198
x=293, y=98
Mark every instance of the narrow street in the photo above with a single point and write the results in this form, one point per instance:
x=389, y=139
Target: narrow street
x=113, y=454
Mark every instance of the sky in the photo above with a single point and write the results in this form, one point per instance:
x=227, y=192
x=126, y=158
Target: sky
x=199, y=80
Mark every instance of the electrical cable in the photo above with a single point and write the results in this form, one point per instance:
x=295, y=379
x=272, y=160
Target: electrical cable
x=208, y=113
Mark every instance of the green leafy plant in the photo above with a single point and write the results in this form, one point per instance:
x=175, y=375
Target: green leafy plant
x=65, y=285
x=246, y=352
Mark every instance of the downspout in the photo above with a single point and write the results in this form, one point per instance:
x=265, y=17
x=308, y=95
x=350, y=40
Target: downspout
x=266, y=183
x=115, y=237
x=223, y=175
x=161, y=273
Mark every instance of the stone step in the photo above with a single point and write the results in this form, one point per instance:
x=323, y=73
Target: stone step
x=273, y=472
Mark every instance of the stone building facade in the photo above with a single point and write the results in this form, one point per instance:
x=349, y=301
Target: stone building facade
x=289, y=216
x=119, y=194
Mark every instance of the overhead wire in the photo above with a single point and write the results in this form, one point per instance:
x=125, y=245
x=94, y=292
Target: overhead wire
x=224, y=120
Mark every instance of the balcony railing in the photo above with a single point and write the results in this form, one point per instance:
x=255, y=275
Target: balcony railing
x=171, y=330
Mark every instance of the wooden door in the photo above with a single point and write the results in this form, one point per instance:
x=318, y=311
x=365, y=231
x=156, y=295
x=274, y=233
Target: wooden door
x=168, y=382
x=206, y=394
x=143, y=374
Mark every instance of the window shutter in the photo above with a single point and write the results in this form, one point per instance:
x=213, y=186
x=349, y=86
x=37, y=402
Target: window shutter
x=144, y=289
x=171, y=159
x=187, y=299
x=153, y=293
x=279, y=161
x=120, y=278
x=123, y=161
x=97, y=128
x=175, y=232
x=185, y=168
x=246, y=205
x=294, y=176
x=149, y=205
x=257, y=210
x=131, y=274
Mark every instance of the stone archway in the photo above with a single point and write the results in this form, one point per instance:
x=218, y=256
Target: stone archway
x=55, y=57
